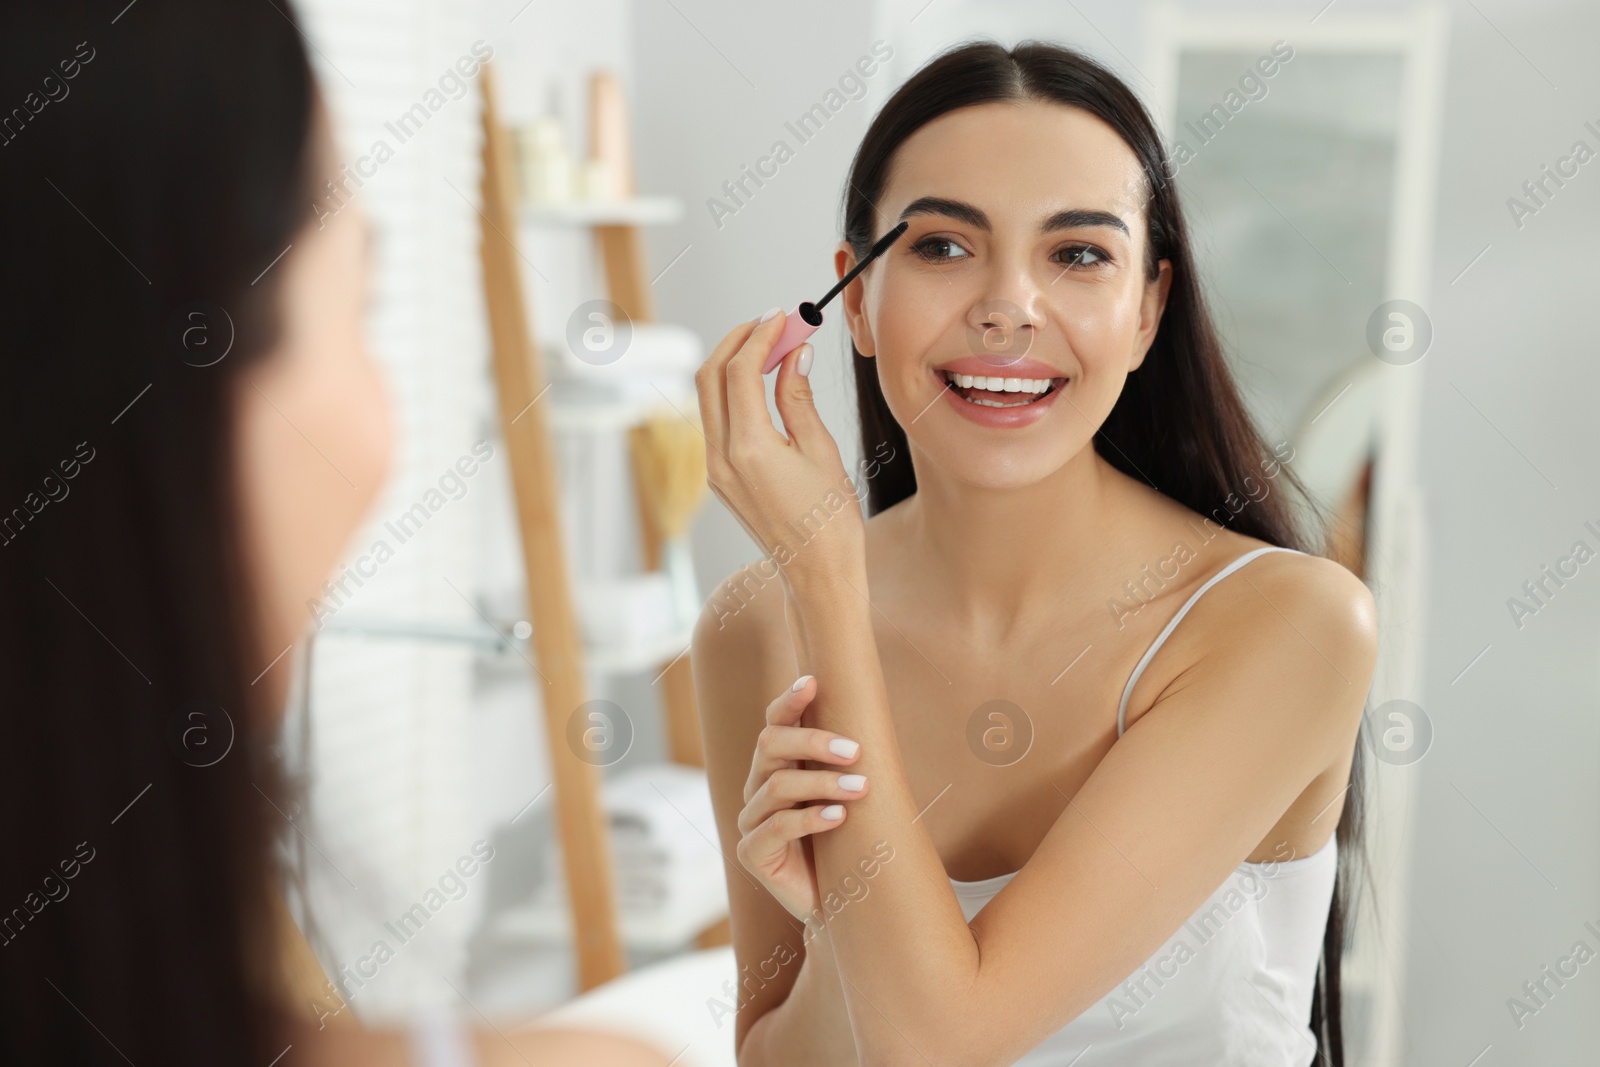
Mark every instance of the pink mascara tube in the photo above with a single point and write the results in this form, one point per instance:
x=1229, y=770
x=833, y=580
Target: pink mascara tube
x=803, y=321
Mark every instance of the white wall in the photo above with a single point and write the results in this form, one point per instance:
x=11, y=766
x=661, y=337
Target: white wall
x=1517, y=734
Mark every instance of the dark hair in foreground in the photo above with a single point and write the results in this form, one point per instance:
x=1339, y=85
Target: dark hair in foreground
x=1180, y=424
x=147, y=165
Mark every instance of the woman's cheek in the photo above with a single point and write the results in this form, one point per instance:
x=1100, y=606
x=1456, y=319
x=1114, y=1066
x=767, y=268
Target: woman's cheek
x=905, y=332
x=1101, y=339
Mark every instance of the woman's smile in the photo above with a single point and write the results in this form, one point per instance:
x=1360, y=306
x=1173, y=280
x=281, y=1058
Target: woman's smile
x=1003, y=408
x=1005, y=393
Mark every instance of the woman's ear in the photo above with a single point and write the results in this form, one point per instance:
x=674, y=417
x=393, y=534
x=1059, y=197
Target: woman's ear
x=1151, y=306
x=854, y=310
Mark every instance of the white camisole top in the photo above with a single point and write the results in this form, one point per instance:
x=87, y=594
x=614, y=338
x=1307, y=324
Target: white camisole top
x=1231, y=986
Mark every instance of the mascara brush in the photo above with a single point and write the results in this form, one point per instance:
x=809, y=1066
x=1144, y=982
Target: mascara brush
x=803, y=321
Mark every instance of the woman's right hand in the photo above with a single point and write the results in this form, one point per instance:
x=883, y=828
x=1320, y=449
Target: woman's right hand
x=785, y=803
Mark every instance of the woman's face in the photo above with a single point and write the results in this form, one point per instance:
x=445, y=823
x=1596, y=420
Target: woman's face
x=313, y=425
x=1024, y=259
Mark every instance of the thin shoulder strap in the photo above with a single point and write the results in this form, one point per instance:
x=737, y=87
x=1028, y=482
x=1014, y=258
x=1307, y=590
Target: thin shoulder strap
x=1127, y=691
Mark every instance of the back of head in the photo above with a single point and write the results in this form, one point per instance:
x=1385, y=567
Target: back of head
x=152, y=165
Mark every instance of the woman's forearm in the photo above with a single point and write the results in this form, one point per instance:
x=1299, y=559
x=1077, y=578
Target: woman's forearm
x=812, y=1025
x=905, y=955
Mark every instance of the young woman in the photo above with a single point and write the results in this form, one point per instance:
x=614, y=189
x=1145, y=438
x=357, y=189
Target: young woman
x=1076, y=720
x=193, y=427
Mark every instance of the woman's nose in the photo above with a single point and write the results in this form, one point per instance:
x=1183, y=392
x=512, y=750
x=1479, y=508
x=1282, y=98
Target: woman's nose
x=1000, y=327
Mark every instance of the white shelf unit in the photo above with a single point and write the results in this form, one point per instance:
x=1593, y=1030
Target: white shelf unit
x=589, y=402
x=629, y=211
x=657, y=372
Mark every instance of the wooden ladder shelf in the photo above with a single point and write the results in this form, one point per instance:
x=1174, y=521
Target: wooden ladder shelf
x=520, y=382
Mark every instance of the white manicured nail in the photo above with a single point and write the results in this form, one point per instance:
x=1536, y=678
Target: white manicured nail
x=800, y=683
x=855, y=783
x=769, y=316
x=803, y=364
x=833, y=812
x=843, y=746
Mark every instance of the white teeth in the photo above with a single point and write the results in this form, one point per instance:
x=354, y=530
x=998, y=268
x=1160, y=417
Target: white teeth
x=999, y=385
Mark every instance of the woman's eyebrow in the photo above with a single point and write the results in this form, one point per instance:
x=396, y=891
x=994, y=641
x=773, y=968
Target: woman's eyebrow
x=974, y=216
x=1077, y=217
x=953, y=209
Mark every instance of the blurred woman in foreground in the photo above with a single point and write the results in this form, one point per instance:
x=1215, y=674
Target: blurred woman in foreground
x=178, y=327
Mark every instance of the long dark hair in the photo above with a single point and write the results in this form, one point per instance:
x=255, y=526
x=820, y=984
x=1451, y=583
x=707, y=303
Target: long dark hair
x=1180, y=423
x=153, y=164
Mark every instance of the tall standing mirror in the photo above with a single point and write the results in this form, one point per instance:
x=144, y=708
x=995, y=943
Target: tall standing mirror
x=1305, y=153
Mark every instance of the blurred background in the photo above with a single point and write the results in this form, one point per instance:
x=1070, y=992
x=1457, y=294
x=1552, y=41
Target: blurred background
x=1396, y=227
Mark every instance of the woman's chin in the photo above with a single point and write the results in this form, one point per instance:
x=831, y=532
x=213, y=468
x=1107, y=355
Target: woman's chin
x=992, y=470
x=993, y=460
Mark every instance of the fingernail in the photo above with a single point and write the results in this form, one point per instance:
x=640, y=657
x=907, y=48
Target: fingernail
x=843, y=746
x=853, y=782
x=833, y=811
x=800, y=683
x=771, y=314
x=803, y=364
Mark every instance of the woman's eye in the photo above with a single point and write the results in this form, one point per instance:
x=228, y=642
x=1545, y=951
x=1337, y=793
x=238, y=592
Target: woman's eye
x=939, y=248
x=1076, y=256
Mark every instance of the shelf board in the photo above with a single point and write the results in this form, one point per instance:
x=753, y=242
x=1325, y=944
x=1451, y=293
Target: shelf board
x=652, y=654
x=596, y=416
x=634, y=211
x=668, y=930
x=486, y=637
x=611, y=414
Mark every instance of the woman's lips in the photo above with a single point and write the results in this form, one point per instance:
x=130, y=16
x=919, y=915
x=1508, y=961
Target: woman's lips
x=999, y=367
x=1010, y=417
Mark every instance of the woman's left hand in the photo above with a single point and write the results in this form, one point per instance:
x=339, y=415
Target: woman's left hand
x=791, y=494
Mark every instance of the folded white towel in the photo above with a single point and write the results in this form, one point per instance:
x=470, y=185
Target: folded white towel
x=663, y=840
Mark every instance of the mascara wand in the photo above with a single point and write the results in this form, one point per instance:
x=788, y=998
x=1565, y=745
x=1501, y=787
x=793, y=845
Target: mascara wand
x=803, y=321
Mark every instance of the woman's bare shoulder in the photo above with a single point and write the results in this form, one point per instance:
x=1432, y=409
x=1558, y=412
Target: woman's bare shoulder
x=1318, y=588
x=1297, y=598
x=1299, y=587
x=741, y=645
